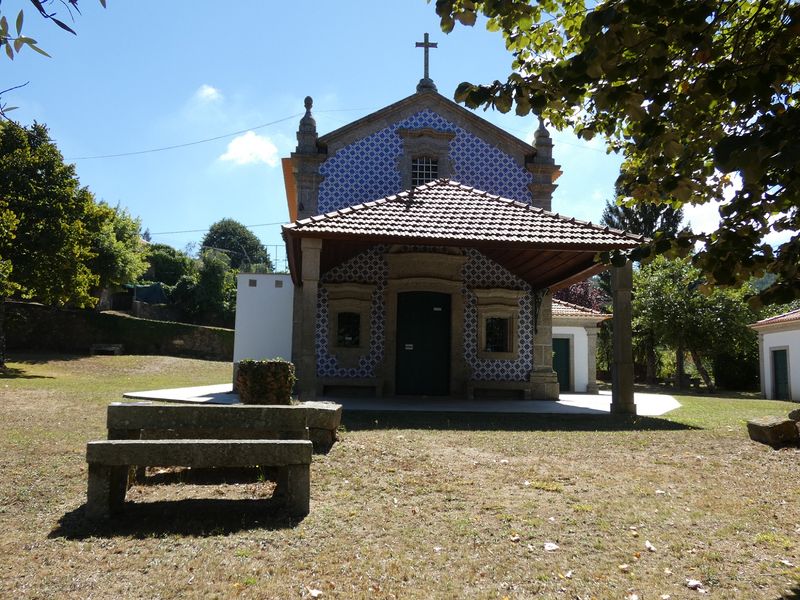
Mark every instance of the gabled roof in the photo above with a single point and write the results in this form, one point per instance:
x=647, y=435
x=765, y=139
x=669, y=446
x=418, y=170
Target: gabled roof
x=791, y=317
x=414, y=103
x=543, y=248
x=567, y=309
x=444, y=211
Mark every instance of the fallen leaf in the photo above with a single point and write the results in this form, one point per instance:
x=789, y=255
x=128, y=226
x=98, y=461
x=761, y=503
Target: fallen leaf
x=550, y=547
x=314, y=593
x=787, y=563
x=694, y=584
x=632, y=597
x=624, y=568
x=568, y=574
x=504, y=462
x=514, y=537
x=667, y=571
x=665, y=596
x=660, y=492
x=649, y=546
x=437, y=548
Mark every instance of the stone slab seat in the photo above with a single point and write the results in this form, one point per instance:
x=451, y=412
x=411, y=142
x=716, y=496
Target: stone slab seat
x=110, y=460
x=149, y=420
x=476, y=384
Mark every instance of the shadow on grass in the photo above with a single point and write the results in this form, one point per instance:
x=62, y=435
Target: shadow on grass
x=11, y=373
x=791, y=594
x=193, y=517
x=200, y=517
x=369, y=420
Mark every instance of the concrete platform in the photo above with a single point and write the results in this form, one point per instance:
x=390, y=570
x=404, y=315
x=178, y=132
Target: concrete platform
x=649, y=405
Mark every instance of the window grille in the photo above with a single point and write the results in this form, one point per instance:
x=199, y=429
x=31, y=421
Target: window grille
x=423, y=170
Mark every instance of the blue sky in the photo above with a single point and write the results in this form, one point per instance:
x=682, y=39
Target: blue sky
x=146, y=74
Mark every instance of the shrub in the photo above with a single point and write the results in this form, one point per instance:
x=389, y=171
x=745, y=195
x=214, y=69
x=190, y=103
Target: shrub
x=265, y=381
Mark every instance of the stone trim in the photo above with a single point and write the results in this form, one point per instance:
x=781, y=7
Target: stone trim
x=426, y=272
x=498, y=303
x=427, y=142
x=355, y=298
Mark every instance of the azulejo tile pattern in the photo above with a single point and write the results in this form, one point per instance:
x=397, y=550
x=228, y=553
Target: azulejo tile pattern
x=482, y=272
x=367, y=267
x=368, y=168
x=479, y=272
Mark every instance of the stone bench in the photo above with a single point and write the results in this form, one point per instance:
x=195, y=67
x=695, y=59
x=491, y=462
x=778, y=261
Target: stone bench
x=498, y=386
x=152, y=420
x=115, y=349
x=110, y=461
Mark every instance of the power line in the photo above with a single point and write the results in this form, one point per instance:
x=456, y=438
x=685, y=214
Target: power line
x=211, y=139
x=206, y=229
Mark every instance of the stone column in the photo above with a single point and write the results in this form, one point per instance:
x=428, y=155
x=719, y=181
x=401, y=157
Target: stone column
x=591, y=338
x=622, y=369
x=544, y=381
x=306, y=355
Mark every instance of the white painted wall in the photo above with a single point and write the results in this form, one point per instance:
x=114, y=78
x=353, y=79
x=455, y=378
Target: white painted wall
x=263, y=316
x=777, y=340
x=579, y=355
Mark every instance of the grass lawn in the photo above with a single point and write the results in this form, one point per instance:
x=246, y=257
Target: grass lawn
x=404, y=506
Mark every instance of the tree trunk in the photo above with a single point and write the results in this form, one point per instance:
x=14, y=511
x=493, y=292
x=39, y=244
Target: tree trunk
x=702, y=370
x=650, y=357
x=679, y=367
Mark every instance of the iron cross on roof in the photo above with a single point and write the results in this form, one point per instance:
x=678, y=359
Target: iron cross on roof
x=427, y=44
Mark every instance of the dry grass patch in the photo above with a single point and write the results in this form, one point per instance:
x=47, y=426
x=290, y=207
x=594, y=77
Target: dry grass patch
x=404, y=506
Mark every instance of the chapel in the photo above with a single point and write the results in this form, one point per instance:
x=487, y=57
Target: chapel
x=423, y=255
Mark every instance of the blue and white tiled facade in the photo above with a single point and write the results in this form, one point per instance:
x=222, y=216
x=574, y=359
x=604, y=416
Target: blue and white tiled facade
x=368, y=169
x=367, y=267
x=478, y=272
x=482, y=272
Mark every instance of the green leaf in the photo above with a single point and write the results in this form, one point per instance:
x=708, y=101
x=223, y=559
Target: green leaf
x=63, y=25
x=9, y=51
x=36, y=48
x=19, y=22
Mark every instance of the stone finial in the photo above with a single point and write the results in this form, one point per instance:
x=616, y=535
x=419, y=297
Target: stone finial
x=307, y=133
x=543, y=142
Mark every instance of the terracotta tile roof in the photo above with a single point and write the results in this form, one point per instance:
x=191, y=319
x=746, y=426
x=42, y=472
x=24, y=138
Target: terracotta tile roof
x=448, y=211
x=793, y=316
x=567, y=309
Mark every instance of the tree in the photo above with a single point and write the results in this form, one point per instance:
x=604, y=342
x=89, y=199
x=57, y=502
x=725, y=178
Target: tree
x=12, y=40
x=585, y=293
x=647, y=220
x=44, y=243
x=169, y=265
x=208, y=295
x=669, y=302
x=701, y=98
x=119, y=252
x=240, y=244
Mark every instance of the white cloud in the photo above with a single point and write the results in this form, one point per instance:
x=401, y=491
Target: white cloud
x=251, y=148
x=208, y=93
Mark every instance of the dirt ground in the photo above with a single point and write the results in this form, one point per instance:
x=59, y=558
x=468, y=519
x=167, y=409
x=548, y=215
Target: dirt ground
x=403, y=506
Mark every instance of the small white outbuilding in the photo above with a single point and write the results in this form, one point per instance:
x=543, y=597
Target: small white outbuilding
x=779, y=352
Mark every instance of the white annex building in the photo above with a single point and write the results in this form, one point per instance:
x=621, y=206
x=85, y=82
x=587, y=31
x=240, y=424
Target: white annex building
x=779, y=353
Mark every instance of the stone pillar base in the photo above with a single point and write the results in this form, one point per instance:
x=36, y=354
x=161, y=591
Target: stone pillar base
x=544, y=385
x=592, y=388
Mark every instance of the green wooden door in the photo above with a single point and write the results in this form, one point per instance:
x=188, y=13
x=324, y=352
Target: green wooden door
x=780, y=374
x=562, y=363
x=423, y=344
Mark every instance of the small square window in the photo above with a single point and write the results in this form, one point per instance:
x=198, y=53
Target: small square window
x=278, y=283
x=498, y=334
x=348, y=330
x=423, y=170
x=252, y=282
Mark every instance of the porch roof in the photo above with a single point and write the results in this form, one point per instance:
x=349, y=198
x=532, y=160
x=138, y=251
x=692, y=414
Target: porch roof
x=543, y=248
